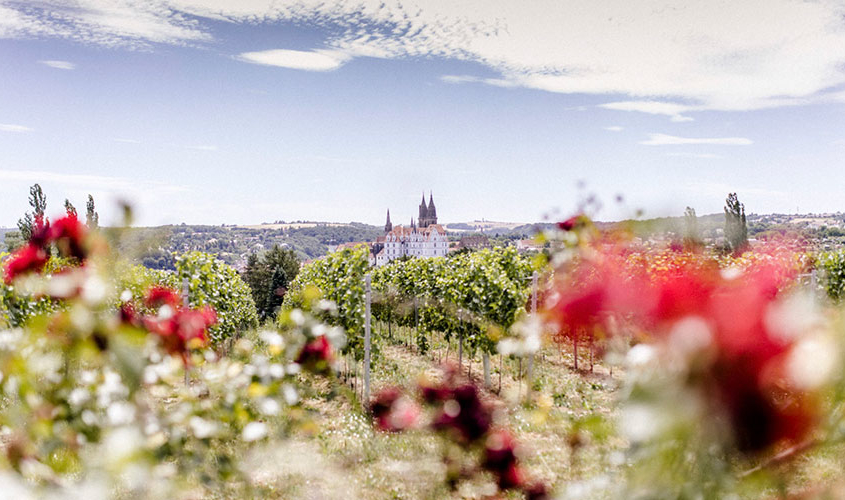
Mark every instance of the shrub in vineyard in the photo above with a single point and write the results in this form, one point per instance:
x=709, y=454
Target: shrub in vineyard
x=94, y=395
x=213, y=283
x=832, y=267
x=338, y=278
x=467, y=295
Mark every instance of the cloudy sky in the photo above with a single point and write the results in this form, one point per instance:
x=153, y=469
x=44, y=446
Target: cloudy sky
x=213, y=111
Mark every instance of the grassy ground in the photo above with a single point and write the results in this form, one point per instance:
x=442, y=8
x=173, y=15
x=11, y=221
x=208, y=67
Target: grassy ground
x=350, y=460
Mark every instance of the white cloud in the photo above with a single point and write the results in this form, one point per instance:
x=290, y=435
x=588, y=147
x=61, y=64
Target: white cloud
x=705, y=156
x=98, y=182
x=710, y=56
x=614, y=128
x=59, y=64
x=9, y=127
x=670, y=109
x=671, y=140
x=112, y=23
x=314, y=60
x=127, y=141
x=203, y=147
x=497, y=82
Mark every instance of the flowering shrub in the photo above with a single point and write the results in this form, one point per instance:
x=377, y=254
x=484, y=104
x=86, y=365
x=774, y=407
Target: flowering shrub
x=94, y=395
x=732, y=361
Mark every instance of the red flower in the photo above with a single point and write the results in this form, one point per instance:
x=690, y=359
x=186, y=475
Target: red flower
x=182, y=331
x=317, y=355
x=158, y=296
x=682, y=295
x=40, y=236
x=30, y=258
x=129, y=315
x=463, y=415
x=500, y=459
x=744, y=373
x=69, y=236
x=393, y=411
x=576, y=221
x=536, y=491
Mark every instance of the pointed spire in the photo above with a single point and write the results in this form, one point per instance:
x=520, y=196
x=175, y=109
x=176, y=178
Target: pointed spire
x=432, y=212
x=423, y=218
x=388, y=226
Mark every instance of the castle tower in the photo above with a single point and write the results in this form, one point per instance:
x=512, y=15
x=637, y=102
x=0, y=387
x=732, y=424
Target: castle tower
x=432, y=212
x=388, y=226
x=423, y=218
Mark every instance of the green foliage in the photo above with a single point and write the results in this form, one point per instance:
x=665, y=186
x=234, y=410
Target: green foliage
x=138, y=279
x=214, y=283
x=92, y=218
x=38, y=202
x=91, y=402
x=17, y=309
x=469, y=295
x=832, y=266
x=339, y=278
x=736, y=229
x=233, y=244
x=268, y=275
x=13, y=240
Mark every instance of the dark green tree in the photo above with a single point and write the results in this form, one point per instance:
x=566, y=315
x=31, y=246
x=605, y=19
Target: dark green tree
x=736, y=229
x=92, y=218
x=38, y=202
x=268, y=275
x=278, y=287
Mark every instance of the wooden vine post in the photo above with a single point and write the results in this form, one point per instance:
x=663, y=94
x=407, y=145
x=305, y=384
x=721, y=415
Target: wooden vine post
x=533, y=313
x=367, y=303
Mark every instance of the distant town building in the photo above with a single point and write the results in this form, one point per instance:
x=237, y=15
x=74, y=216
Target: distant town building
x=474, y=242
x=529, y=245
x=423, y=238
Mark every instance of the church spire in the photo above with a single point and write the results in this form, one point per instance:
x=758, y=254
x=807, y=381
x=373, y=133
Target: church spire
x=388, y=226
x=432, y=212
x=423, y=218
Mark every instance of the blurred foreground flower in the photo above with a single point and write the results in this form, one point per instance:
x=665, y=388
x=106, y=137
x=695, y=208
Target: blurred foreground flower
x=393, y=411
x=722, y=333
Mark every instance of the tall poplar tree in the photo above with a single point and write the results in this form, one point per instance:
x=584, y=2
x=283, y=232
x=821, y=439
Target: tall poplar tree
x=736, y=230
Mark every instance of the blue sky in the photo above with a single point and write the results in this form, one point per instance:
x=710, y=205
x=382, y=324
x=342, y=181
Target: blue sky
x=205, y=111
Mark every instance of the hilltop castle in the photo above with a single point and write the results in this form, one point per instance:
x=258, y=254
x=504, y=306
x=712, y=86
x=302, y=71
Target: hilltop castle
x=423, y=238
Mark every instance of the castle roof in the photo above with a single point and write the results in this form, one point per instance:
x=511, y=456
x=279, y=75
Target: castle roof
x=406, y=231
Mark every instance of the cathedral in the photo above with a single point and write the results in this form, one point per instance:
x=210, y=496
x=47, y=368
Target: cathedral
x=422, y=238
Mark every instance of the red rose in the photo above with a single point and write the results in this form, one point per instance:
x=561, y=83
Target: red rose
x=316, y=355
x=69, y=236
x=30, y=258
